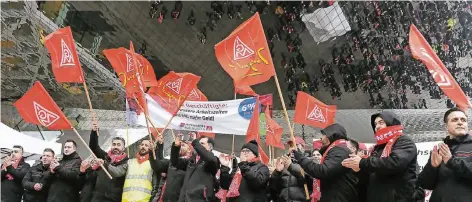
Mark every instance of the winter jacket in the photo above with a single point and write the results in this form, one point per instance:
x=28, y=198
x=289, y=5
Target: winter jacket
x=254, y=182
x=451, y=182
x=391, y=178
x=338, y=183
x=199, y=182
x=106, y=189
x=87, y=182
x=288, y=185
x=12, y=189
x=174, y=177
x=64, y=185
x=37, y=174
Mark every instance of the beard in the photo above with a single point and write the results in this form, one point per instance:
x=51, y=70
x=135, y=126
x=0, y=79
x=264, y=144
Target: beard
x=143, y=152
x=116, y=151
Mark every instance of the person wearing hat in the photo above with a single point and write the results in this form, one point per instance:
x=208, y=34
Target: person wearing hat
x=249, y=181
x=332, y=181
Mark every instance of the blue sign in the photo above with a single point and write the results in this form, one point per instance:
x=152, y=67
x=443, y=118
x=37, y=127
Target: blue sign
x=246, y=108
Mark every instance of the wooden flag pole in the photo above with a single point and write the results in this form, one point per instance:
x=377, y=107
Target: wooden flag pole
x=127, y=139
x=291, y=129
x=270, y=154
x=83, y=141
x=152, y=124
x=147, y=119
x=94, y=116
x=232, y=145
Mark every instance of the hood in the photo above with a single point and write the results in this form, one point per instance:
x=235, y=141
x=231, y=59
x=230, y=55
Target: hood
x=390, y=118
x=71, y=156
x=335, y=132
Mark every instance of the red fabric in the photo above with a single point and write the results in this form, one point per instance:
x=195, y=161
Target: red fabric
x=15, y=165
x=316, y=195
x=162, y=192
x=273, y=131
x=245, y=54
x=383, y=135
x=317, y=144
x=310, y=111
x=221, y=194
x=362, y=146
x=236, y=182
x=196, y=95
x=114, y=159
x=142, y=159
x=197, y=158
x=64, y=59
x=245, y=90
x=37, y=107
x=421, y=50
x=146, y=70
x=173, y=89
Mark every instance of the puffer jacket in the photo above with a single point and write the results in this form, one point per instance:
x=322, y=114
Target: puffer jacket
x=64, y=185
x=12, y=179
x=451, y=182
x=37, y=174
x=288, y=185
x=391, y=179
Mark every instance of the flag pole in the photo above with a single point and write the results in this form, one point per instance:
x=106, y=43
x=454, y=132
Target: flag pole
x=93, y=154
x=232, y=145
x=152, y=124
x=290, y=127
x=147, y=119
x=94, y=116
x=127, y=139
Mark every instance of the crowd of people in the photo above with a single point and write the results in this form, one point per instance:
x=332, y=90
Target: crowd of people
x=337, y=169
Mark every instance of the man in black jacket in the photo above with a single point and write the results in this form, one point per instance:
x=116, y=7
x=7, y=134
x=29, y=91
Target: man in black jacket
x=391, y=167
x=449, y=171
x=201, y=168
x=287, y=184
x=174, y=179
x=36, y=181
x=251, y=177
x=334, y=182
x=65, y=175
x=14, y=170
x=106, y=189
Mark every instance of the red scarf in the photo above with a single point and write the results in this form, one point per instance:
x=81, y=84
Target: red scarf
x=115, y=158
x=388, y=135
x=234, y=186
x=142, y=159
x=15, y=165
x=316, y=195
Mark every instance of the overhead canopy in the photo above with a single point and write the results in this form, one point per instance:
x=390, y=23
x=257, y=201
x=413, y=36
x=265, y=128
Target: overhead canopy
x=33, y=147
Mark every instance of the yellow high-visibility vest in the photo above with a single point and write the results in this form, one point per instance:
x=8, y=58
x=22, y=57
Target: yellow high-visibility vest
x=138, y=182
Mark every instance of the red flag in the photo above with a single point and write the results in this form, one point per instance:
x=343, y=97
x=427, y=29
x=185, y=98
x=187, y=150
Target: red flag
x=264, y=157
x=245, y=55
x=37, y=107
x=64, y=59
x=173, y=89
x=196, y=95
x=154, y=132
x=253, y=132
x=421, y=50
x=273, y=131
x=245, y=90
x=310, y=111
x=206, y=134
x=121, y=60
x=146, y=70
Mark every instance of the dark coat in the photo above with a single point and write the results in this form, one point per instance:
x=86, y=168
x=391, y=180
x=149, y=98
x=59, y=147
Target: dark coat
x=174, y=177
x=12, y=190
x=200, y=182
x=392, y=178
x=37, y=174
x=254, y=182
x=106, y=189
x=288, y=185
x=87, y=182
x=65, y=180
x=451, y=182
x=338, y=183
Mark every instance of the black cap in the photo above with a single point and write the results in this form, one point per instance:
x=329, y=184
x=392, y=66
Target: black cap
x=252, y=145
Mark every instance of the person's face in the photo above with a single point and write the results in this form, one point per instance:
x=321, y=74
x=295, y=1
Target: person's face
x=58, y=158
x=457, y=124
x=379, y=123
x=117, y=147
x=300, y=147
x=16, y=153
x=184, y=149
x=204, y=143
x=325, y=140
x=47, y=158
x=317, y=155
x=69, y=148
x=144, y=147
x=248, y=154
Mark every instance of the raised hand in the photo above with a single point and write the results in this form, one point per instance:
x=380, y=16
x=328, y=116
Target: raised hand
x=94, y=126
x=279, y=165
x=225, y=160
x=37, y=186
x=178, y=140
x=84, y=165
x=286, y=161
x=445, y=152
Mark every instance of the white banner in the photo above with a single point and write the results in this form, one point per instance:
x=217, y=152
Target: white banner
x=227, y=117
x=424, y=150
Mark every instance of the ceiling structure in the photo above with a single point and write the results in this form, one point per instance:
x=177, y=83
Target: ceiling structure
x=171, y=45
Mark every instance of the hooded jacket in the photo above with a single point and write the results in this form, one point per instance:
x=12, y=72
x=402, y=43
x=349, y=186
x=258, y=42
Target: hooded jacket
x=391, y=178
x=338, y=183
x=451, y=182
x=37, y=174
x=64, y=185
x=287, y=186
x=12, y=189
